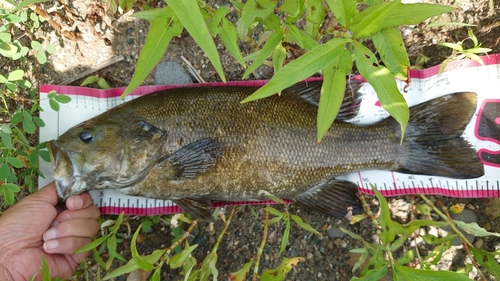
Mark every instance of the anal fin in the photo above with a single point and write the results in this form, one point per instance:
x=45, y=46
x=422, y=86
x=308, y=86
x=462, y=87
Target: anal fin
x=333, y=197
x=200, y=208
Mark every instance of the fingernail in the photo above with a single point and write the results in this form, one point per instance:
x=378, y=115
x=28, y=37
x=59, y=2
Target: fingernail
x=76, y=202
x=50, y=245
x=49, y=234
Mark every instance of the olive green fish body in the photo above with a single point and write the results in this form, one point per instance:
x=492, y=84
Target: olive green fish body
x=266, y=145
x=195, y=145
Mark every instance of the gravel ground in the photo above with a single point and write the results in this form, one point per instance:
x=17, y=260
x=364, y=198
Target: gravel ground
x=327, y=256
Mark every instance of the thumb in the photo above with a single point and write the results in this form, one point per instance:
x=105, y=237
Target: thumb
x=47, y=193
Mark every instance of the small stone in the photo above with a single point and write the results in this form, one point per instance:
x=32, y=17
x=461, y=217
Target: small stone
x=200, y=240
x=309, y=256
x=293, y=252
x=487, y=226
x=479, y=242
x=334, y=232
x=171, y=73
x=322, y=249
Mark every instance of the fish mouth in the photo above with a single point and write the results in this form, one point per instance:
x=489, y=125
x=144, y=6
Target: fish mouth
x=65, y=172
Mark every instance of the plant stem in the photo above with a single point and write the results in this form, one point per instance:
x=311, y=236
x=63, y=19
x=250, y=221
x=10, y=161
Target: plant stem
x=183, y=237
x=262, y=245
x=464, y=239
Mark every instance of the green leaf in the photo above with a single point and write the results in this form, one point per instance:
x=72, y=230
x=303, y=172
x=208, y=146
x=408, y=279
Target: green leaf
x=373, y=275
x=177, y=260
x=135, y=255
x=7, y=141
x=29, y=125
x=149, y=15
x=369, y=21
x=272, y=197
x=304, y=40
x=408, y=14
x=384, y=84
x=227, y=33
x=474, y=229
x=279, y=56
x=61, y=98
x=117, y=223
x=4, y=171
x=294, y=9
x=111, y=243
x=250, y=11
x=41, y=57
x=92, y=245
x=315, y=16
x=38, y=121
x=52, y=94
x=5, y=37
x=12, y=187
x=388, y=231
x=286, y=236
x=37, y=46
x=190, y=16
x=34, y=158
x=241, y=274
x=6, y=129
x=15, y=162
x=90, y=80
x=162, y=30
x=16, y=75
x=280, y=272
x=103, y=84
x=304, y=225
x=45, y=155
x=488, y=261
x=300, y=69
x=54, y=105
x=51, y=49
x=344, y=11
x=333, y=91
x=265, y=52
x=273, y=211
x=392, y=51
x=403, y=273
x=45, y=270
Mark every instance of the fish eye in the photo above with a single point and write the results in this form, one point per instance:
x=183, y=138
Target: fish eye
x=86, y=136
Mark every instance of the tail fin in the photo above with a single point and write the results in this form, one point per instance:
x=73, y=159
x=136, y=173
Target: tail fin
x=433, y=144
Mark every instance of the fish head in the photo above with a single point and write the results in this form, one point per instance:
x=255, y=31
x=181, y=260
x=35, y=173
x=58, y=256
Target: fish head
x=100, y=155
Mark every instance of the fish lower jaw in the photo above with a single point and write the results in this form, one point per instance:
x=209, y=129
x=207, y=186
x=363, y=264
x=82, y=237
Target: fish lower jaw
x=65, y=188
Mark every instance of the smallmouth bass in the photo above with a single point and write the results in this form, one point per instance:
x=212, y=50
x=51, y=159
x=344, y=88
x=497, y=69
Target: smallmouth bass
x=198, y=145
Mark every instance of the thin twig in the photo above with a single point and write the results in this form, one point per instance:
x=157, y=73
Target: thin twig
x=262, y=244
x=192, y=70
x=183, y=237
x=94, y=69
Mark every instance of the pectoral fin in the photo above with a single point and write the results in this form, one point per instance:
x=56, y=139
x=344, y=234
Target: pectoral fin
x=333, y=198
x=200, y=208
x=193, y=159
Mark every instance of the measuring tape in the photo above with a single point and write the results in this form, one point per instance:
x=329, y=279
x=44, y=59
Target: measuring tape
x=459, y=76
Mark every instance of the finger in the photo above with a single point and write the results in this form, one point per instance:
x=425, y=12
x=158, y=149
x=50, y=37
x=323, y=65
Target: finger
x=66, y=245
x=91, y=212
x=77, y=228
x=81, y=201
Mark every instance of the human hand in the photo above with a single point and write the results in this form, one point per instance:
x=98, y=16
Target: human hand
x=36, y=226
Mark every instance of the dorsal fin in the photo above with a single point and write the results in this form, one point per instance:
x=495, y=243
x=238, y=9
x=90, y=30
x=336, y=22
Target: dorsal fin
x=311, y=91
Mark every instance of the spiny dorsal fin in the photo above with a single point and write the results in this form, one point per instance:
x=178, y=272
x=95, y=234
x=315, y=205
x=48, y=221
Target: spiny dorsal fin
x=311, y=92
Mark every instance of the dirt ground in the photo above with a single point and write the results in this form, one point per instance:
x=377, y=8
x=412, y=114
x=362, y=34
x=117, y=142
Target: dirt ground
x=327, y=258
